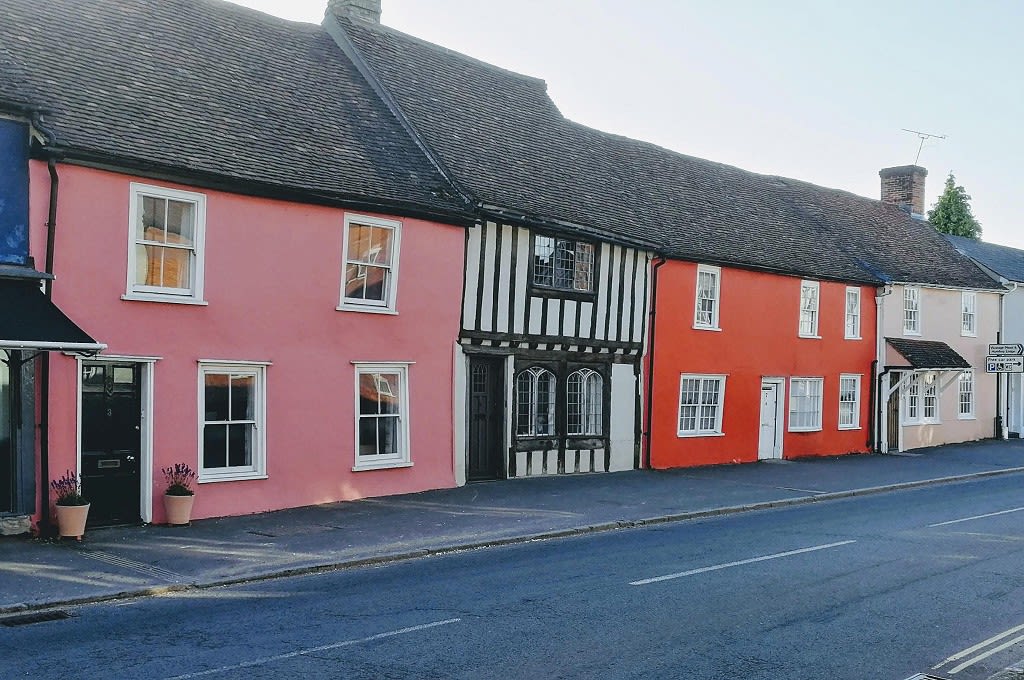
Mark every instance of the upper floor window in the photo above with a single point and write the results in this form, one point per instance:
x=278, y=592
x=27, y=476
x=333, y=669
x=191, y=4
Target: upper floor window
x=701, y=399
x=370, y=272
x=809, y=309
x=535, y=403
x=706, y=307
x=852, y=329
x=585, y=397
x=563, y=264
x=911, y=310
x=232, y=413
x=165, y=254
x=968, y=316
x=382, y=416
x=805, y=404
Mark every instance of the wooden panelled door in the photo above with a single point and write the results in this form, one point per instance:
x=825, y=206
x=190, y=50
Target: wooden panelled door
x=893, y=416
x=486, y=418
x=111, y=442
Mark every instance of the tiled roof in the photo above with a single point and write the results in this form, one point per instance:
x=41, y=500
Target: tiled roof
x=503, y=139
x=208, y=88
x=1003, y=260
x=928, y=353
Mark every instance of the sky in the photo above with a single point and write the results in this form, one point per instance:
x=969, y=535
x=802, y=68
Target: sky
x=817, y=90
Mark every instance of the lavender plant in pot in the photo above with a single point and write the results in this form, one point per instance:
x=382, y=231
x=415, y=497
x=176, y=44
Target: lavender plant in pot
x=179, y=496
x=72, y=508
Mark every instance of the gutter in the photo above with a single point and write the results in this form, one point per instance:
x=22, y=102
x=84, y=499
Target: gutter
x=649, y=407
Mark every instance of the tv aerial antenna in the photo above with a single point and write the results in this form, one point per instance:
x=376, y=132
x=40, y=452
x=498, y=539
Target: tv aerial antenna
x=923, y=136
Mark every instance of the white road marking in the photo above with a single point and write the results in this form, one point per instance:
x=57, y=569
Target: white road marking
x=981, y=657
x=980, y=645
x=968, y=519
x=312, y=650
x=716, y=567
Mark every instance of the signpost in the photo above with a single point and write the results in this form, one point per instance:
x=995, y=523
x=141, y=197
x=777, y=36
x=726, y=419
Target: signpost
x=1011, y=350
x=1004, y=364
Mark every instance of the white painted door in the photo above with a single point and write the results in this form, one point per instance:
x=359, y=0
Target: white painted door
x=768, y=439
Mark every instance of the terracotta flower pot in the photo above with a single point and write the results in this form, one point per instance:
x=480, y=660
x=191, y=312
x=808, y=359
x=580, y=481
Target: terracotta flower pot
x=178, y=509
x=71, y=520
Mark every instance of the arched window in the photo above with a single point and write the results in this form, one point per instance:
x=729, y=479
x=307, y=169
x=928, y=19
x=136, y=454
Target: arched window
x=535, y=402
x=585, y=398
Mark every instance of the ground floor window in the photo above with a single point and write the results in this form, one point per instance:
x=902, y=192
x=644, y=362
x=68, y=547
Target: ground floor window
x=232, y=409
x=585, y=397
x=849, y=402
x=535, y=402
x=701, y=400
x=966, y=392
x=382, y=416
x=805, y=404
x=6, y=437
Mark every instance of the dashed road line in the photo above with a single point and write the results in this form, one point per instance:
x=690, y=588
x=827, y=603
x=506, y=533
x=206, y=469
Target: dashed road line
x=968, y=519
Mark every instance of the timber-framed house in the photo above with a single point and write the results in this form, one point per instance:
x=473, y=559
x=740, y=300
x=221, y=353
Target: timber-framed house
x=554, y=315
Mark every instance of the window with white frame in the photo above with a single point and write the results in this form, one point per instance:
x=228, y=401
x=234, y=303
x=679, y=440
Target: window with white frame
x=563, y=264
x=930, y=398
x=968, y=318
x=809, y=309
x=535, y=402
x=849, y=402
x=701, y=400
x=370, y=271
x=805, y=404
x=912, y=398
x=165, y=249
x=382, y=416
x=966, y=395
x=706, y=307
x=232, y=414
x=584, y=396
x=852, y=329
x=911, y=310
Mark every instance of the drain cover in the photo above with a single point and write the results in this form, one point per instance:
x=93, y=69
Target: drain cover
x=35, y=617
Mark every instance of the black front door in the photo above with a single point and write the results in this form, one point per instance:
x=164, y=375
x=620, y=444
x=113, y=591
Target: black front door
x=111, y=442
x=486, y=418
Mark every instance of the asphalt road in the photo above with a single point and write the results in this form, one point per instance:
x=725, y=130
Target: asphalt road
x=878, y=587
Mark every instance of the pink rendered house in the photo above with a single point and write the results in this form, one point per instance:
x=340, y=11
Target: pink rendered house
x=273, y=266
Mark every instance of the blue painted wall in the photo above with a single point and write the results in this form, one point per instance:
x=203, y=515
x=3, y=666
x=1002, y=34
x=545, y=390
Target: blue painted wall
x=13, y=192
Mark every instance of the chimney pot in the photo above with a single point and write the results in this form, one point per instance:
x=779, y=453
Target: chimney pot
x=367, y=10
x=904, y=186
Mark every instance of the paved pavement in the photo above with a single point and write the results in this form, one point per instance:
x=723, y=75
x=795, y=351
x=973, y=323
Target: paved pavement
x=138, y=560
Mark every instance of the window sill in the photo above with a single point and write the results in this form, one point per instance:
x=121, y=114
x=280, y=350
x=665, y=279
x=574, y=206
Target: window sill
x=563, y=293
x=691, y=435
x=138, y=297
x=805, y=429
x=853, y=337
x=968, y=335
x=383, y=465
x=366, y=309
x=240, y=477
x=707, y=328
x=906, y=332
x=966, y=417
x=849, y=428
x=810, y=337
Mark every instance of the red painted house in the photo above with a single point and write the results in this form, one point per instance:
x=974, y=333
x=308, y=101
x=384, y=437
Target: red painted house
x=754, y=365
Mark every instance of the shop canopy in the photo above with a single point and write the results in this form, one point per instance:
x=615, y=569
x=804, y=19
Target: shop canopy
x=30, y=321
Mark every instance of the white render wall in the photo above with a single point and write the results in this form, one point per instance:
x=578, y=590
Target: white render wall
x=1013, y=331
x=941, y=320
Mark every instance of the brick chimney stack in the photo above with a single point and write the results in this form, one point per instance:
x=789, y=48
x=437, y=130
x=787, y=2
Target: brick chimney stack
x=904, y=186
x=367, y=10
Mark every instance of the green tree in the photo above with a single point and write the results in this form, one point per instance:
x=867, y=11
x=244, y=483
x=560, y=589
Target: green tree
x=952, y=214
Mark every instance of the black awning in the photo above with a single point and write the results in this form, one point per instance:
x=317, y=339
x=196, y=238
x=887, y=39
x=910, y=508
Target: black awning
x=930, y=354
x=28, y=320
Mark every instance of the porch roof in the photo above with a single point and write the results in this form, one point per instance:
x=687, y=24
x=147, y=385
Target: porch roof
x=30, y=321
x=928, y=354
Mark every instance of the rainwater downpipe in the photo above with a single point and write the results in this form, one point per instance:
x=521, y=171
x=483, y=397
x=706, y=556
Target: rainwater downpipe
x=646, y=462
x=44, y=359
x=879, y=362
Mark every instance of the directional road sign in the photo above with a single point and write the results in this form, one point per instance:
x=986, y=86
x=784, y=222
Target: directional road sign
x=1004, y=364
x=1014, y=349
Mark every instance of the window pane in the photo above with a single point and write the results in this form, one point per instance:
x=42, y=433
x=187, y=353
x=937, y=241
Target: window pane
x=152, y=220
x=388, y=391
x=387, y=435
x=524, y=403
x=240, y=445
x=369, y=398
x=359, y=243
x=180, y=223
x=545, y=403
x=584, y=266
x=216, y=397
x=380, y=250
x=163, y=266
x=243, y=392
x=215, y=446
x=543, y=260
x=367, y=436
x=565, y=259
